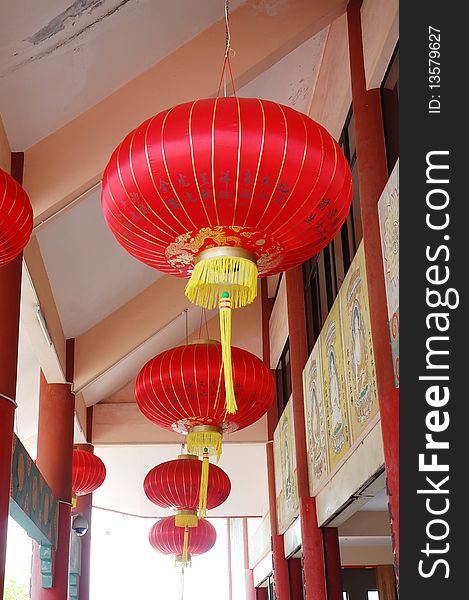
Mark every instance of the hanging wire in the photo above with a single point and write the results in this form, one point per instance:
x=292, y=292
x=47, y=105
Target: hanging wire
x=182, y=583
x=186, y=324
x=227, y=27
x=228, y=53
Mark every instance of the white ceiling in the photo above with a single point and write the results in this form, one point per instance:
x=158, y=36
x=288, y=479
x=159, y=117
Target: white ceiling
x=127, y=467
x=59, y=58
x=90, y=274
x=291, y=81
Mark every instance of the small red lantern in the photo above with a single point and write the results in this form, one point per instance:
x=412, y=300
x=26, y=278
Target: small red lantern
x=182, y=389
x=222, y=190
x=16, y=218
x=183, y=543
x=177, y=484
x=88, y=472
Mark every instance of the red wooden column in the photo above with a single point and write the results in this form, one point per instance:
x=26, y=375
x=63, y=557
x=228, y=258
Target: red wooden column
x=280, y=563
x=10, y=294
x=333, y=566
x=261, y=594
x=10, y=298
x=296, y=578
x=372, y=177
x=54, y=460
x=311, y=534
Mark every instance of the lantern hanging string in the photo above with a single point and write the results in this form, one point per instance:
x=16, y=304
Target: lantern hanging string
x=228, y=53
x=186, y=324
x=203, y=321
x=182, y=583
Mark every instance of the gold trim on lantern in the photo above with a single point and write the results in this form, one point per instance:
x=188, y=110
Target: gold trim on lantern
x=223, y=269
x=222, y=251
x=203, y=341
x=186, y=518
x=205, y=438
x=188, y=457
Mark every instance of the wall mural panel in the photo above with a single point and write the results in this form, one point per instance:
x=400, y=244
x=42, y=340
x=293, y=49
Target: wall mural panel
x=358, y=346
x=334, y=386
x=32, y=503
x=339, y=379
x=286, y=484
x=388, y=209
x=316, y=420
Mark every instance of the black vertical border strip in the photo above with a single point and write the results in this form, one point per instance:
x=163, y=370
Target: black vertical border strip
x=422, y=132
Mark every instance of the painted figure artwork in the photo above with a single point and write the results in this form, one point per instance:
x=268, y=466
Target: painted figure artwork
x=334, y=387
x=285, y=470
x=358, y=346
x=315, y=420
x=388, y=210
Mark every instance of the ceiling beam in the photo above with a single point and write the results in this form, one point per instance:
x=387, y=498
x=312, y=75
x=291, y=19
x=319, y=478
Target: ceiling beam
x=72, y=159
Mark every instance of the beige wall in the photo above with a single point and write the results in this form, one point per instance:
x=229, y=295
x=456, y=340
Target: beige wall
x=380, y=31
x=332, y=94
x=123, y=423
x=278, y=325
x=357, y=556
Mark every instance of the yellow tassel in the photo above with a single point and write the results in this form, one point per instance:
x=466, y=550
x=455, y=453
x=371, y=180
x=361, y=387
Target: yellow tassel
x=185, y=518
x=185, y=548
x=217, y=274
x=204, y=485
x=74, y=501
x=204, y=437
x=225, y=335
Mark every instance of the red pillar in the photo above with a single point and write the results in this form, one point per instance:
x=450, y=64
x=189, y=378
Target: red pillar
x=54, y=460
x=311, y=534
x=261, y=594
x=84, y=506
x=333, y=566
x=296, y=578
x=10, y=294
x=280, y=563
x=372, y=177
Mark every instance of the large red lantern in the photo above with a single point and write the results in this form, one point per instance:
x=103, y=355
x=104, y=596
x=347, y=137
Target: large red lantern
x=16, y=218
x=223, y=190
x=182, y=389
x=183, y=543
x=177, y=484
x=88, y=472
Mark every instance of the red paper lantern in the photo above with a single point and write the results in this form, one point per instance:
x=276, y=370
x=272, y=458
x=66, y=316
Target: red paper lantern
x=182, y=389
x=176, y=484
x=166, y=538
x=88, y=472
x=223, y=190
x=230, y=172
x=16, y=218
